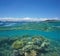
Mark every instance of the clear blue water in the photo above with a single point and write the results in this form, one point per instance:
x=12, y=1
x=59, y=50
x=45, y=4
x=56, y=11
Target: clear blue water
x=53, y=36
x=17, y=33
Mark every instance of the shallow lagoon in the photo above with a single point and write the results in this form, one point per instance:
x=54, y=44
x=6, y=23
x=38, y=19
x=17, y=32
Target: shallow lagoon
x=16, y=33
x=8, y=37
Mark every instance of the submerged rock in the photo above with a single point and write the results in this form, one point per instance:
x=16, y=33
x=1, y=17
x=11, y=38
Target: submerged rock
x=31, y=46
x=31, y=53
x=18, y=44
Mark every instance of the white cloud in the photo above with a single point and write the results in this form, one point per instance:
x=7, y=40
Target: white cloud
x=27, y=19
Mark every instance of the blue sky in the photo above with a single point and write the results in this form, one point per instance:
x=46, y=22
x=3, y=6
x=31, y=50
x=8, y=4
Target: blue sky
x=30, y=8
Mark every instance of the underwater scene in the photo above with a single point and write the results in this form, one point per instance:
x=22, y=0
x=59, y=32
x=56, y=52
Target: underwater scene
x=30, y=38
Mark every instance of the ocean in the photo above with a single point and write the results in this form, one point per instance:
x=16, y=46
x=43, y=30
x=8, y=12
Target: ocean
x=16, y=33
x=10, y=31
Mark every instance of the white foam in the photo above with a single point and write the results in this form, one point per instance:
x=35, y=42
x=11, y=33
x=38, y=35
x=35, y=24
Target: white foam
x=27, y=19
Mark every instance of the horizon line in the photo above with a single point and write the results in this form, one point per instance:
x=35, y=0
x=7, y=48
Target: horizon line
x=27, y=19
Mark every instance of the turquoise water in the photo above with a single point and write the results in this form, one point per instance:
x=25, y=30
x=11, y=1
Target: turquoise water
x=16, y=33
x=50, y=34
x=50, y=31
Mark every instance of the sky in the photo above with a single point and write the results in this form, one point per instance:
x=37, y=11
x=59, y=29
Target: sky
x=27, y=9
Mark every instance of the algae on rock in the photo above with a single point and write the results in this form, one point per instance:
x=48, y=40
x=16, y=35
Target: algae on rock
x=31, y=46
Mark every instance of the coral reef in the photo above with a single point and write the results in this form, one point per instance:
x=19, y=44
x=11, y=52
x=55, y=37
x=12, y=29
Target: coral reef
x=31, y=46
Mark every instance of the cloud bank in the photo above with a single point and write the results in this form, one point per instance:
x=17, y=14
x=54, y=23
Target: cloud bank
x=27, y=19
